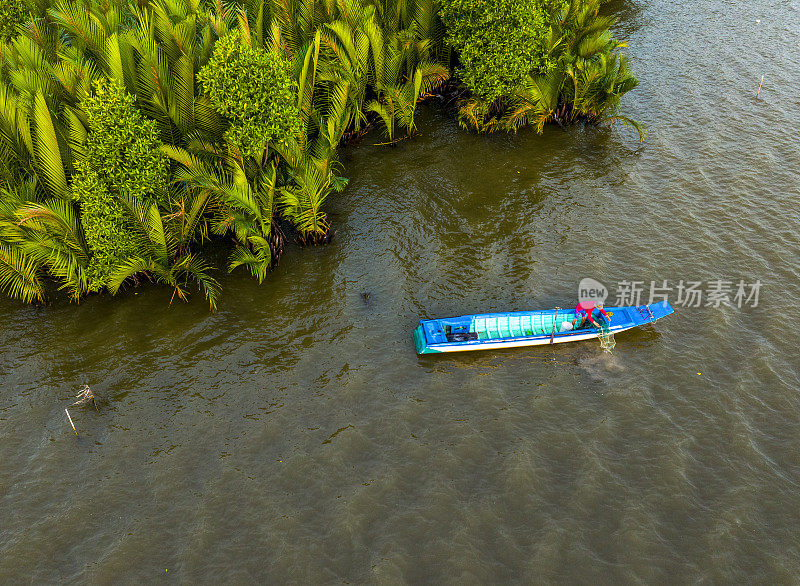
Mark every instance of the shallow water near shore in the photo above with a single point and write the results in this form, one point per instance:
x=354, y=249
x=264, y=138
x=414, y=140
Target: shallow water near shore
x=294, y=436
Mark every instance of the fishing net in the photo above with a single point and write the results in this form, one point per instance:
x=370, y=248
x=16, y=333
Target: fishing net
x=606, y=338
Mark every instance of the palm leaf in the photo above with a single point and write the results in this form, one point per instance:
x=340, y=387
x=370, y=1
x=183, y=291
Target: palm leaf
x=257, y=262
x=638, y=126
x=60, y=259
x=56, y=217
x=386, y=113
x=46, y=149
x=192, y=266
x=134, y=266
x=20, y=275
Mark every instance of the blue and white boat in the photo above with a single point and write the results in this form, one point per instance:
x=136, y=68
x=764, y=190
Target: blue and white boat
x=491, y=331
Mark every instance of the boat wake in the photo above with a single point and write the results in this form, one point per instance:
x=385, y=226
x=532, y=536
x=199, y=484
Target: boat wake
x=600, y=364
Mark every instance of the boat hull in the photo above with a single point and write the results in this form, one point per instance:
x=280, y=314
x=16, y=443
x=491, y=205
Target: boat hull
x=495, y=331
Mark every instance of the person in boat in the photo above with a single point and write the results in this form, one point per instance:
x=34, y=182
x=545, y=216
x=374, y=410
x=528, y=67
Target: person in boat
x=591, y=311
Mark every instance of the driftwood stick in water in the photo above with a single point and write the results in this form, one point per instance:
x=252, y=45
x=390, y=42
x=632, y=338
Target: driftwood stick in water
x=70, y=421
x=759, y=86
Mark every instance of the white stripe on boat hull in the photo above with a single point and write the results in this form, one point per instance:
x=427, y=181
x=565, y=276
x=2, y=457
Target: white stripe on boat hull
x=538, y=341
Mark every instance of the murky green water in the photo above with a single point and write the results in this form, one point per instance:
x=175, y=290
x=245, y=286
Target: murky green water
x=295, y=436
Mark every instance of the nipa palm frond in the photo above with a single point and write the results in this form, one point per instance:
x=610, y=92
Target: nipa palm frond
x=194, y=267
x=50, y=165
x=258, y=262
x=20, y=275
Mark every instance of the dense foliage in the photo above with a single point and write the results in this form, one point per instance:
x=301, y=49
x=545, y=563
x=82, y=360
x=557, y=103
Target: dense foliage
x=122, y=165
x=106, y=230
x=123, y=145
x=12, y=14
x=256, y=90
x=133, y=131
x=530, y=63
x=499, y=42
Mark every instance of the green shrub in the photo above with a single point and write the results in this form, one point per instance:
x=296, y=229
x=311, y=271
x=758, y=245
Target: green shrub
x=123, y=145
x=105, y=226
x=255, y=90
x=12, y=14
x=122, y=163
x=499, y=42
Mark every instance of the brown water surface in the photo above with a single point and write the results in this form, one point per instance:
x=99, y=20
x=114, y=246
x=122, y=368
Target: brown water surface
x=294, y=436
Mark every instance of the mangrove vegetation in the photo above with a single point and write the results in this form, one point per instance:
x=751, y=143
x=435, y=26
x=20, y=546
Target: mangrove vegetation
x=133, y=132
